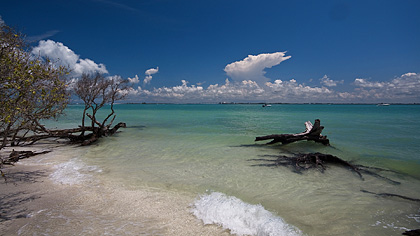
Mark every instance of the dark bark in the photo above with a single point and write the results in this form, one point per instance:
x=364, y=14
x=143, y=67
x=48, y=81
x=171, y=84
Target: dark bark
x=414, y=232
x=76, y=135
x=18, y=155
x=116, y=127
x=312, y=133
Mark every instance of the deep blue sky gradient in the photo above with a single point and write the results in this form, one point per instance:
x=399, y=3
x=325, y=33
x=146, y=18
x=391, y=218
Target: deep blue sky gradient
x=194, y=40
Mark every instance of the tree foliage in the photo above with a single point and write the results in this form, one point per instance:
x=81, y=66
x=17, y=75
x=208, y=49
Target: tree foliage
x=31, y=88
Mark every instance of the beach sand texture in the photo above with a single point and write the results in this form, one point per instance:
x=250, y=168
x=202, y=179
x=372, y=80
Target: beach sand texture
x=32, y=203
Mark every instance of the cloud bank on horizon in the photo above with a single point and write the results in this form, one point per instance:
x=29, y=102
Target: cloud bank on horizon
x=247, y=83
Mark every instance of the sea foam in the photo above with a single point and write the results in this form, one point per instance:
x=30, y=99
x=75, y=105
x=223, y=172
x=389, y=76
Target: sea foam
x=239, y=217
x=72, y=172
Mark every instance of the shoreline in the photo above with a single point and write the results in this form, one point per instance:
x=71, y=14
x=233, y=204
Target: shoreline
x=261, y=103
x=32, y=202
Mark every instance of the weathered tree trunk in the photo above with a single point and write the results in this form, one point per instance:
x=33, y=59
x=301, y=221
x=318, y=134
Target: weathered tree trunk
x=312, y=132
x=17, y=155
x=104, y=131
x=73, y=134
x=116, y=127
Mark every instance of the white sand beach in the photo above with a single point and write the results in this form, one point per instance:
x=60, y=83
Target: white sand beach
x=32, y=203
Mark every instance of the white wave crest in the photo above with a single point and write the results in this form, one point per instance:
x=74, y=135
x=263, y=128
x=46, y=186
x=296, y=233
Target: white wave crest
x=239, y=217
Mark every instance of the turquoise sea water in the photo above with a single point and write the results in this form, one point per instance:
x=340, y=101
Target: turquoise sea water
x=207, y=150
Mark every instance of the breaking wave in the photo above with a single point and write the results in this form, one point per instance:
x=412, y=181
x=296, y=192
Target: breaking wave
x=239, y=217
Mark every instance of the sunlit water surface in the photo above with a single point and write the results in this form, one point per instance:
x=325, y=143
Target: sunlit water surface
x=207, y=151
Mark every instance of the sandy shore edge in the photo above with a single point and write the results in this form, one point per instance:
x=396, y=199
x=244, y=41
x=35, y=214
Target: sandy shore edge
x=30, y=196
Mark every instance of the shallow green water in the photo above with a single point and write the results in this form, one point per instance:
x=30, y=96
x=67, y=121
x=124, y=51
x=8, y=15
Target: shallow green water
x=196, y=148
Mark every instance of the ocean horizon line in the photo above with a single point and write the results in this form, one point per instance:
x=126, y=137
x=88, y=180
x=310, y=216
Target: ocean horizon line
x=253, y=103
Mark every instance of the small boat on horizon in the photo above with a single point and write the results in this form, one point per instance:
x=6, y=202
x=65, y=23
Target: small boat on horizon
x=266, y=105
x=383, y=104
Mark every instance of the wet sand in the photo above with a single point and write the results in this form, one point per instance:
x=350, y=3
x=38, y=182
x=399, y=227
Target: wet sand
x=33, y=204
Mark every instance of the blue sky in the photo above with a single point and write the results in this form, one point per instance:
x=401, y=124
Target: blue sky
x=242, y=51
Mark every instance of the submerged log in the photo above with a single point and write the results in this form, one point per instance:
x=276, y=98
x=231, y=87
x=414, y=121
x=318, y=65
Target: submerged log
x=391, y=195
x=301, y=162
x=312, y=132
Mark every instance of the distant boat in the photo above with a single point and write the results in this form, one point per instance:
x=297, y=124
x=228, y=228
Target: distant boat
x=266, y=105
x=383, y=104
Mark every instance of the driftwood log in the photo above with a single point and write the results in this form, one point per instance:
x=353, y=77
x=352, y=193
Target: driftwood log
x=15, y=156
x=312, y=132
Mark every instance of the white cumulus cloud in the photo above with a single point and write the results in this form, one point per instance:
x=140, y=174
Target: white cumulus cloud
x=252, y=67
x=365, y=83
x=62, y=55
x=293, y=91
x=329, y=82
x=147, y=79
x=152, y=71
x=134, y=80
x=149, y=74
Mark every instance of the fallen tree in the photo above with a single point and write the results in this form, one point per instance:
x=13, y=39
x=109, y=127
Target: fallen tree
x=96, y=91
x=311, y=133
x=74, y=136
x=33, y=89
